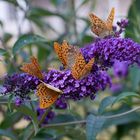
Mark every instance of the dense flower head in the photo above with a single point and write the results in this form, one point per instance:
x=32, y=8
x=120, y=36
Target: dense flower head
x=107, y=51
x=78, y=89
x=20, y=85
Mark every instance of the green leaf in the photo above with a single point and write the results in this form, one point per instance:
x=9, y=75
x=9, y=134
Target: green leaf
x=40, y=12
x=125, y=119
x=27, y=111
x=27, y=40
x=125, y=95
x=133, y=30
x=2, y=51
x=134, y=77
x=105, y=103
x=9, y=102
x=94, y=126
x=10, y=120
x=6, y=37
x=8, y=134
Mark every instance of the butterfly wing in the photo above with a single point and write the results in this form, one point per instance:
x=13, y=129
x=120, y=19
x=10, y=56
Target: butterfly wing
x=62, y=52
x=110, y=19
x=47, y=95
x=86, y=70
x=66, y=53
x=98, y=25
x=32, y=68
x=71, y=56
x=58, y=50
x=78, y=66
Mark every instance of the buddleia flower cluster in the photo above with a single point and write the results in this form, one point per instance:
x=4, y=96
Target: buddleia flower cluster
x=107, y=53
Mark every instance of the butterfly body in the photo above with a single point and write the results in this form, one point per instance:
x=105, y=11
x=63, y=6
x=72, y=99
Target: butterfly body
x=102, y=28
x=66, y=53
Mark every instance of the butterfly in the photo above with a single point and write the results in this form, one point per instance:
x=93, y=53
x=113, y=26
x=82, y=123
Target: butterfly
x=66, y=53
x=80, y=69
x=47, y=94
x=102, y=28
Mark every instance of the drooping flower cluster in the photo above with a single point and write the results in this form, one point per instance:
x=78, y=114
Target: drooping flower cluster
x=107, y=51
x=22, y=84
x=78, y=89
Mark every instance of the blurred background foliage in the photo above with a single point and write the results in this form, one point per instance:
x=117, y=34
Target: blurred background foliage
x=36, y=28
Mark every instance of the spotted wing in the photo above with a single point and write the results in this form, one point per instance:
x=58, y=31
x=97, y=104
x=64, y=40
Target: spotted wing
x=71, y=57
x=78, y=66
x=87, y=68
x=47, y=95
x=66, y=53
x=58, y=50
x=97, y=25
x=110, y=19
x=32, y=68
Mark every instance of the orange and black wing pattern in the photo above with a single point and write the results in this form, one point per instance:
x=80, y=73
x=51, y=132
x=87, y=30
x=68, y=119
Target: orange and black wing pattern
x=66, y=53
x=80, y=69
x=100, y=27
x=32, y=68
x=110, y=19
x=97, y=25
x=47, y=95
x=62, y=51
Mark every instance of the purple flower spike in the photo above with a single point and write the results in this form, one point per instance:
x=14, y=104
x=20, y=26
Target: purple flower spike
x=20, y=85
x=107, y=51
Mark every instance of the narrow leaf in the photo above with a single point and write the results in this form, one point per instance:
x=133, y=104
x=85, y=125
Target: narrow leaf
x=105, y=103
x=27, y=111
x=94, y=126
x=8, y=134
x=125, y=95
x=2, y=51
x=27, y=40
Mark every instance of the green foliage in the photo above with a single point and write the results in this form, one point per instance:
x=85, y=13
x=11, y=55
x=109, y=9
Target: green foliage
x=8, y=133
x=133, y=30
x=27, y=40
x=105, y=103
x=2, y=51
x=124, y=96
x=94, y=126
x=23, y=48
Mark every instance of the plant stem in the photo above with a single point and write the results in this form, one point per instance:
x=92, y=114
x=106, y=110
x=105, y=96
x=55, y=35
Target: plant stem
x=39, y=124
x=84, y=121
x=44, y=116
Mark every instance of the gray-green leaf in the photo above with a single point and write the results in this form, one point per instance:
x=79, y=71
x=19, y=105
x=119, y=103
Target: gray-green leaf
x=94, y=126
x=27, y=40
x=105, y=103
x=125, y=95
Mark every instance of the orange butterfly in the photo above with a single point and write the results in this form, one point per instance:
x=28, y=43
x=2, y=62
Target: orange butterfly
x=102, y=28
x=47, y=94
x=66, y=53
x=80, y=69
